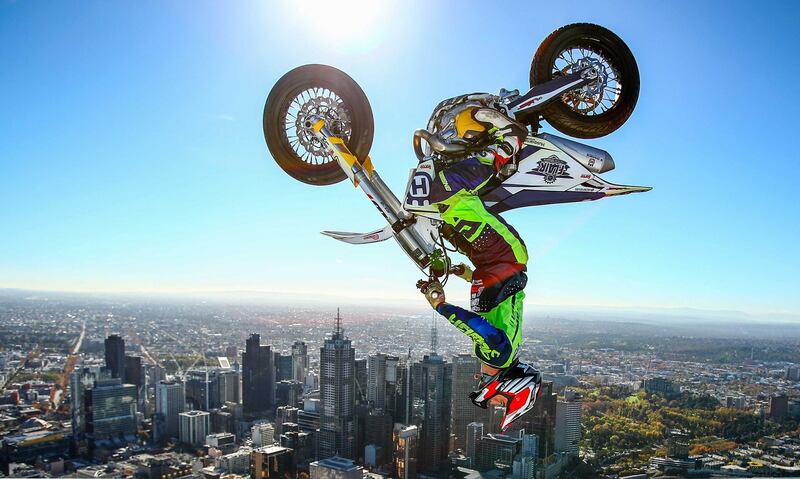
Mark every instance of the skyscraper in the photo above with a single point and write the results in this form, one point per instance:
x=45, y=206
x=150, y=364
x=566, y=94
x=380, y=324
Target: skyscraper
x=474, y=434
x=431, y=382
x=376, y=380
x=337, y=395
x=80, y=380
x=110, y=411
x=496, y=451
x=272, y=462
x=134, y=374
x=258, y=377
x=568, y=424
x=115, y=356
x=194, y=427
x=169, y=403
x=283, y=366
x=406, y=439
x=299, y=361
x=465, y=367
x=541, y=420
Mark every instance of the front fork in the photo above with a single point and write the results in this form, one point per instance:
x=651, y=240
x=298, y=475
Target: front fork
x=363, y=175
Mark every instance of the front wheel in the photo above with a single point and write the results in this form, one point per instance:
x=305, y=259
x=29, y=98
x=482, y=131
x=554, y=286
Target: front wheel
x=602, y=106
x=326, y=92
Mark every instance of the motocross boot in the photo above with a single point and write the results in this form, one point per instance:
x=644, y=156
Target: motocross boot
x=520, y=384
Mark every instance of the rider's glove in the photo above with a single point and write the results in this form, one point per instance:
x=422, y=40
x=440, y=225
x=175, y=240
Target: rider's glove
x=462, y=271
x=434, y=293
x=508, y=136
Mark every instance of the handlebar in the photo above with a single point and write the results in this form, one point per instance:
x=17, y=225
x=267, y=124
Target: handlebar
x=437, y=145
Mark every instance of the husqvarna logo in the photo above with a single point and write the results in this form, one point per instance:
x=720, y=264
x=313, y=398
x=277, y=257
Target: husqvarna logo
x=551, y=168
x=419, y=189
x=420, y=186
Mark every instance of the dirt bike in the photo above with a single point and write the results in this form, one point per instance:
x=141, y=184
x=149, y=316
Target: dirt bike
x=584, y=81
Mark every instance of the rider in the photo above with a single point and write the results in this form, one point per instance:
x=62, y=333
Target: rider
x=492, y=141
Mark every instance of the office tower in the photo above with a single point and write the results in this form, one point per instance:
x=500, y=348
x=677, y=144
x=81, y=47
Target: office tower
x=194, y=427
x=309, y=417
x=285, y=414
x=541, y=420
x=224, y=441
x=496, y=451
x=115, y=356
x=222, y=420
x=401, y=397
x=376, y=380
x=262, y=434
x=474, y=434
x=272, y=462
x=677, y=444
x=200, y=389
x=525, y=464
x=406, y=439
x=793, y=373
x=228, y=386
x=134, y=374
x=283, y=366
x=778, y=406
x=378, y=433
x=170, y=401
x=736, y=401
x=155, y=373
x=361, y=380
x=80, y=380
x=465, y=368
x=337, y=395
x=258, y=377
x=431, y=382
x=568, y=424
x=302, y=443
x=299, y=361
x=335, y=468
x=110, y=411
x=288, y=393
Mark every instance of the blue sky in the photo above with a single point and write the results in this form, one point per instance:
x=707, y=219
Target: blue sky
x=132, y=157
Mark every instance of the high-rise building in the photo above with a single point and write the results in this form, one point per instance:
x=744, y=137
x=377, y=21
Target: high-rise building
x=80, y=380
x=474, y=434
x=361, y=380
x=406, y=439
x=541, y=420
x=170, y=401
x=262, y=434
x=568, y=424
x=737, y=401
x=134, y=374
x=337, y=395
x=465, y=368
x=194, y=427
x=778, y=406
x=283, y=366
x=378, y=433
x=431, y=382
x=497, y=451
x=285, y=414
x=110, y=411
x=335, y=468
x=258, y=377
x=525, y=465
x=288, y=393
x=115, y=356
x=299, y=361
x=272, y=462
x=376, y=380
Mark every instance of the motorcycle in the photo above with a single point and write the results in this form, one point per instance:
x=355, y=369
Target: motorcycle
x=584, y=81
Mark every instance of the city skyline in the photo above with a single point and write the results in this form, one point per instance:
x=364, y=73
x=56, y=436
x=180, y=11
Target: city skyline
x=147, y=171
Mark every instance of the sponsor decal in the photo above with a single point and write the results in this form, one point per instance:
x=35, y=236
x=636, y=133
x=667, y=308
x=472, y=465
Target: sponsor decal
x=529, y=102
x=585, y=176
x=373, y=236
x=551, y=168
x=419, y=189
x=537, y=142
x=425, y=167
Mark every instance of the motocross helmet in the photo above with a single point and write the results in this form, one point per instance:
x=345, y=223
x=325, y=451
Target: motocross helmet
x=467, y=127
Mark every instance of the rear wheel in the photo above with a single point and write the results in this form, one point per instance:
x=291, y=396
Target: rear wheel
x=326, y=92
x=602, y=106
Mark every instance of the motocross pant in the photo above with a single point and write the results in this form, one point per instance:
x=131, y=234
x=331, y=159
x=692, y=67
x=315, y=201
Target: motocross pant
x=498, y=254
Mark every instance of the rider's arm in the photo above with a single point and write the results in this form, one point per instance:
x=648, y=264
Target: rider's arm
x=507, y=134
x=467, y=321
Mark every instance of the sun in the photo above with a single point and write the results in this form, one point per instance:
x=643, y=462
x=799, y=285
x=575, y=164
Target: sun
x=339, y=23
